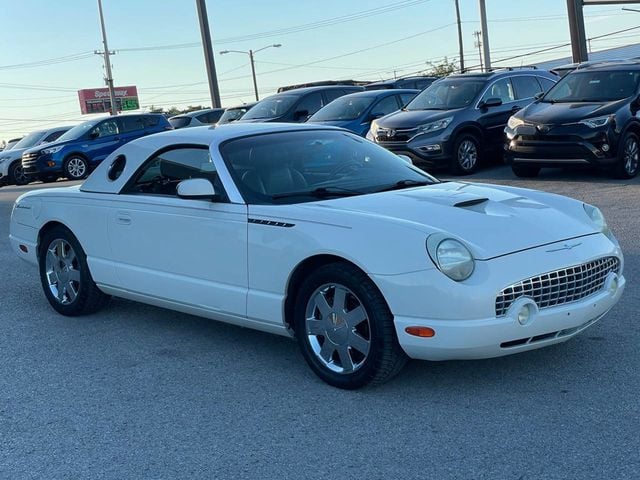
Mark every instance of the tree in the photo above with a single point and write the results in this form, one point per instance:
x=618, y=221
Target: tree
x=443, y=68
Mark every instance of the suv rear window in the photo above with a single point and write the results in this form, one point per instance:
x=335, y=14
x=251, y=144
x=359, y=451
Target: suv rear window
x=179, y=122
x=151, y=120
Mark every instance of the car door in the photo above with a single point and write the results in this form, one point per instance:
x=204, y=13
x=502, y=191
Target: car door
x=104, y=138
x=189, y=252
x=131, y=127
x=493, y=119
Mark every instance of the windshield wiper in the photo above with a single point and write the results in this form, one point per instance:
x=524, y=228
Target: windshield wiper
x=320, y=192
x=399, y=185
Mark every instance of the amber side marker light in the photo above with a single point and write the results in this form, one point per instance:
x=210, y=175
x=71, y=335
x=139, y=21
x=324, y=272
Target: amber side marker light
x=424, y=332
x=24, y=248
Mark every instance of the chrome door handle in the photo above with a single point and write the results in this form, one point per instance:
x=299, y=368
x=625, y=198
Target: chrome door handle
x=123, y=218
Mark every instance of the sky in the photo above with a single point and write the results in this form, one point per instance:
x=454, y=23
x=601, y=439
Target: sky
x=46, y=47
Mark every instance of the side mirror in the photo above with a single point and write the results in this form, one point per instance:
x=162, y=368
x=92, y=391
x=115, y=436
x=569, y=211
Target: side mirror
x=491, y=102
x=196, y=189
x=93, y=135
x=301, y=115
x=406, y=158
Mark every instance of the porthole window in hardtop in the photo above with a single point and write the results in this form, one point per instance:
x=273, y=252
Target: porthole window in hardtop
x=117, y=167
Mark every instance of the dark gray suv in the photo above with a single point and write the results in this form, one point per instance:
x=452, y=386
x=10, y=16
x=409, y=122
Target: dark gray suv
x=457, y=119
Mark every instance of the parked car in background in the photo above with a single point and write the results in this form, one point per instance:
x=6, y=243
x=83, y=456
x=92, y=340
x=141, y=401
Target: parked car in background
x=11, y=161
x=11, y=143
x=365, y=262
x=197, y=118
x=235, y=113
x=296, y=105
x=418, y=83
x=83, y=147
x=458, y=119
x=589, y=118
x=320, y=83
x=356, y=110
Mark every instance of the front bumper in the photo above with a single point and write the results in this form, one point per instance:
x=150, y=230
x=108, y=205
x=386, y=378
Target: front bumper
x=562, y=145
x=463, y=314
x=426, y=151
x=37, y=164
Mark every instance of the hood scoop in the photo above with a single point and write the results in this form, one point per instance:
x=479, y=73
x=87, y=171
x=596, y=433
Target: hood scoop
x=471, y=203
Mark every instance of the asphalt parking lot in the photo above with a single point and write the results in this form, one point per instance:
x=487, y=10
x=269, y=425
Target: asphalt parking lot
x=140, y=392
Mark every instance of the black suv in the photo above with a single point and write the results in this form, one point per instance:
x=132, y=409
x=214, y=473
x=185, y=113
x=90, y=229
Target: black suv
x=454, y=121
x=417, y=83
x=296, y=105
x=588, y=118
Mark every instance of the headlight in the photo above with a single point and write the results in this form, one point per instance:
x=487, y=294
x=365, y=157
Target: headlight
x=514, y=122
x=48, y=151
x=597, y=122
x=373, y=130
x=451, y=257
x=434, y=126
x=597, y=218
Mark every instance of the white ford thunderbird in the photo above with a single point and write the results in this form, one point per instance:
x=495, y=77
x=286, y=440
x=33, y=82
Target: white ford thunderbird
x=319, y=234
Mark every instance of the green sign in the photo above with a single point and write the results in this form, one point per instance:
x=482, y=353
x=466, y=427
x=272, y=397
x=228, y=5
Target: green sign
x=130, y=104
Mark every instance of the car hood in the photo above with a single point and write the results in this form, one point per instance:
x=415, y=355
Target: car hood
x=561, y=113
x=492, y=220
x=52, y=144
x=334, y=123
x=413, y=118
x=13, y=153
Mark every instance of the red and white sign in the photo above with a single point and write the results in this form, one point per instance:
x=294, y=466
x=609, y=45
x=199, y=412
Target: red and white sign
x=96, y=100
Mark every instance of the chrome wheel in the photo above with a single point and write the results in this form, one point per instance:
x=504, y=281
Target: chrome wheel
x=76, y=168
x=467, y=154
x=338, y=328
x=62, y=272
x=630, y=156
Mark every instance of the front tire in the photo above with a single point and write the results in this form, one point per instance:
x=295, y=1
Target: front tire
x=76, y=167
x=17, y=175
x=628, y=157
x=65, y=275
x=525, y=171
x=466, y=155
x=345, y=329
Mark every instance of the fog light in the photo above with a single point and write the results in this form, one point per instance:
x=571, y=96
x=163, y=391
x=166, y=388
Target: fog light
x=431, y=148
x=613, y=285
x=51, y=164
x=605, y=147
x=524, y=314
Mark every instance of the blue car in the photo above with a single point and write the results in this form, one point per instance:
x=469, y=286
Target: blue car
x=83, y=147
x=356, y=110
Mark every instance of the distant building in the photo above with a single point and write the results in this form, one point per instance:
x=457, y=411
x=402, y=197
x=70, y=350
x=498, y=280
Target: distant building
x=618, y=53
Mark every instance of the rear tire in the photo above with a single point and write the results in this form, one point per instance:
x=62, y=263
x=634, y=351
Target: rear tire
x=466, y=155
x=76, y=167
x=65, y=276
x=525, y=171
x=628, y=157
x=17, y=175
x=345, y=329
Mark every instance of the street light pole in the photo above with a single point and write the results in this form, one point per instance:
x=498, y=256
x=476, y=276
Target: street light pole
x=251, y=54
x=107, y=63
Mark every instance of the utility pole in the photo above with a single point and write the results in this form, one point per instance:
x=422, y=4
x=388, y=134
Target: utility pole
x=478, y=44
x=576, y=29
x=485, y=35
x=107, y=63
x=208, y=53
x=251, y=54
x=253, y=74
x=460, y=37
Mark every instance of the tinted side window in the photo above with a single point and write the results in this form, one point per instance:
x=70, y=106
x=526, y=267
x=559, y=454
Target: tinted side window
x=386, y=105
x=130, y=124
x=311, y=103
x=52, y=136
x=526, y=86
x=546, y=83
x=501, y=89
x=105, y=129
x=161, y=174
x=150, y=121
x=332, y=94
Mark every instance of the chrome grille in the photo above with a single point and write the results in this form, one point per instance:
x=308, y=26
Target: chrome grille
x=559, y=287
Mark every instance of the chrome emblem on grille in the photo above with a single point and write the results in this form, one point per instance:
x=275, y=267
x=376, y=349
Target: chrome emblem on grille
x=566, y=246
x=543, y=128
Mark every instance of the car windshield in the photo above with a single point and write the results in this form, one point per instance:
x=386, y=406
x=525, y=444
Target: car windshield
x=343, y=108
x=232, y=114
x=594, y=86
x=447, y=95
x=307, y=165
x=30, y=140
x=272, y=107
x=179, y=122
x=77, y=131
